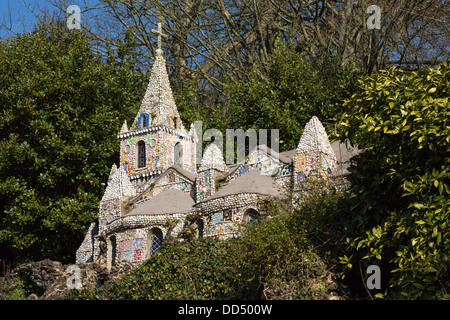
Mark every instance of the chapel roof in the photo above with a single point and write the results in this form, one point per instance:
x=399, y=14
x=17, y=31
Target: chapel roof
x=251, y=182
x=282, y=156
x=119, y=184
x=212, y=159
x=285, y=157
x=167, y=202
x=183, y=172
x=344, y=152
x=314, y=138
x=158, y=101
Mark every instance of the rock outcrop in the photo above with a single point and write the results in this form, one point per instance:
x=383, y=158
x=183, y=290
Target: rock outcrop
x=48, y=280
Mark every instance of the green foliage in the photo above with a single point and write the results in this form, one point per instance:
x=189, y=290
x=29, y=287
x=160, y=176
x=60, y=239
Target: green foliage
x=61, y=109
x=400, y=207
x=16, y=291
x=271, y=259
x=287, y=92
x=195, y=271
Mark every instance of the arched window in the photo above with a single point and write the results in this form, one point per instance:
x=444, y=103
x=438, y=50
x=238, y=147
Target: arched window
x=178, y=154
x=200, y=227
x=175, y=123
x=143, y=121
x=113, y=250
x=142, y=159
x=155, y=239
x=251, y=216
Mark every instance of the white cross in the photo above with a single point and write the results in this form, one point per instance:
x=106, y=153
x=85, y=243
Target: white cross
x=160, y=34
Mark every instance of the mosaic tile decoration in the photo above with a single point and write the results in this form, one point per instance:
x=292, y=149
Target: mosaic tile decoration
x=155, y=141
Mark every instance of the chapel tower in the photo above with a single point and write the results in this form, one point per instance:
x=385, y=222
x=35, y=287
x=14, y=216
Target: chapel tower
x=314, y=155
x=157, y=138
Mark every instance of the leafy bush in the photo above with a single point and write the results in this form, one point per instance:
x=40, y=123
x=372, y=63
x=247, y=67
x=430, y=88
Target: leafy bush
x=61, y=108
x=287, y=92
x=275, y=260
x=17, y=291
x=399, y=214
x=271, y=259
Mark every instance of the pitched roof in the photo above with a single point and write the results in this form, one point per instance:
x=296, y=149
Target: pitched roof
x=281, y=155
x=344, y=152
x=158, y=98
x=183, y=172
x=212, y=159
x=285, y=157
x=251, y=182
x=119, y=184
x=314, y=138
x=288, y=155
x=190, y=176
x=166, y=202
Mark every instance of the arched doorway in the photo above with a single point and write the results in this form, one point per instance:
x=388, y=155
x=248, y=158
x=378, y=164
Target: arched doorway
x=200, y=227
x=251, y=216
x=112, y=250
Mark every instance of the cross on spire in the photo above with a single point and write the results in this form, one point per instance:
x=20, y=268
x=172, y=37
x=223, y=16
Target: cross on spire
x=160, y=34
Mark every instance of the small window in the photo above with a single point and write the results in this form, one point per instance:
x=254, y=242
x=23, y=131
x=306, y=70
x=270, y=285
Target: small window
x=142, y=159
x=175, y=123
x=155, y=241
x=200, y=227
x=113, y=250
x=178, y=153
x=143, y=121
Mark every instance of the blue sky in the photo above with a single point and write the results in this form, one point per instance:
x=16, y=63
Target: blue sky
x=19, y=10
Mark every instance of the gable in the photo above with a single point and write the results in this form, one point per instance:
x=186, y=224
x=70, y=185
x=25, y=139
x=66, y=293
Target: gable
x=265, y=160
x=172, y=178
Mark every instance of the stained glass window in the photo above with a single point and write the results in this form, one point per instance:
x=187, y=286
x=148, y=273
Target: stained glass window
x=227, y=215
x=143, y=121
x=216, y=217
x=141, y=155
x=156, y=241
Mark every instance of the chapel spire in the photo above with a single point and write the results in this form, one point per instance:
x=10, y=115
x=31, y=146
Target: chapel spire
x=158, y=105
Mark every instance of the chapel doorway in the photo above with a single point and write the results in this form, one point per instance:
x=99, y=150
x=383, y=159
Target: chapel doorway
x=154, y=241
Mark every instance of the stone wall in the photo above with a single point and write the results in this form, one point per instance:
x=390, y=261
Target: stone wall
x=160, y=144
x=221, y=217
x=143, y=221
x=129, y=236
x=85, y=252
x=47, y=279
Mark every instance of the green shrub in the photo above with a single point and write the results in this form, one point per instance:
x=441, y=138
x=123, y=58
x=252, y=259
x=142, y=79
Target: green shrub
x=272, y=259
x=399, y=211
